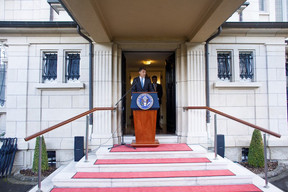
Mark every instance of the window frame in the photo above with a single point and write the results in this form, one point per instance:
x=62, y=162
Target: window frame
x=252, y=51
x=235, y=64
x=65, y=65
x=3, y=61
x=231, y=64
x=43, y=52
x=264, y=4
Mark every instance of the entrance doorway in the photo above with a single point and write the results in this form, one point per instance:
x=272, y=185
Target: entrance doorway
x=162, y=65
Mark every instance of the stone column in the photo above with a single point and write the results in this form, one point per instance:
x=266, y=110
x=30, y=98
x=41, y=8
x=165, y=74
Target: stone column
x=117, y=90
x=196, y=133
x=102, y=125
x=181, y=93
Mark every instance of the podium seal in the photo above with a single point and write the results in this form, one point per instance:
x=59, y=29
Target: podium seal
x=144, y=101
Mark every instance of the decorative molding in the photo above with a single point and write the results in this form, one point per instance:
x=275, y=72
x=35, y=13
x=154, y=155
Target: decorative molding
x=252, y=85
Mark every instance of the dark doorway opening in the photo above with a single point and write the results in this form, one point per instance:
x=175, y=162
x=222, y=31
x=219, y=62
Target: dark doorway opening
x=163, y=66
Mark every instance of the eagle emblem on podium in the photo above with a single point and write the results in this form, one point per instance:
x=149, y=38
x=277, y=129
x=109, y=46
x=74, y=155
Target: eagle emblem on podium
x=144, y=101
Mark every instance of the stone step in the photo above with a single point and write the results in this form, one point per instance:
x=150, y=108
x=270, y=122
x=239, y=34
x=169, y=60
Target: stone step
x=152, y=174
x=197, y=151
x=210, y=188
x=128, y=163
x=65, y=179
x=90, y=166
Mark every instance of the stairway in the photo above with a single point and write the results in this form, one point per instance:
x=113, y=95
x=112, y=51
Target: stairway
x=168, y=168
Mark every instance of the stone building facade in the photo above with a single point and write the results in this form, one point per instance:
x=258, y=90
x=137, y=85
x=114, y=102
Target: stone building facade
x=250, y=86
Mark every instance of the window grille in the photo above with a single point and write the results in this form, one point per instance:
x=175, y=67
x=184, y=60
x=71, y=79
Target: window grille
x=2, y=77
x=246, y=65
x=72, y=66
x=224, y=65
x=49, y=66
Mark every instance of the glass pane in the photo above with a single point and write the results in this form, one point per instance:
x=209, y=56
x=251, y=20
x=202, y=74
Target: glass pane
x=246, y=65
x=224, y=65
x=279, y=10
x=2, y=84
x=262, y=5
x=50, y=66
x=72, y=66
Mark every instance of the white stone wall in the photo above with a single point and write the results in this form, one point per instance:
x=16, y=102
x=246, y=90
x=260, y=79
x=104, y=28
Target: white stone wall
x=262, y=102
x=253, y=14
x=33, y=106
x=29, y=10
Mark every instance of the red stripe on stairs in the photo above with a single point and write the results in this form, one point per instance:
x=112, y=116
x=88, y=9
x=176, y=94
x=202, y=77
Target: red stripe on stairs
x=211, y=188
x=161, y=147
x=151, y=174
x=151, y=161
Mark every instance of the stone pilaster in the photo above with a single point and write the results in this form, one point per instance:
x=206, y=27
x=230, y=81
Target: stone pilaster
x=181, y=93
x=117, y=90
x=196, y=133
x=102, y=125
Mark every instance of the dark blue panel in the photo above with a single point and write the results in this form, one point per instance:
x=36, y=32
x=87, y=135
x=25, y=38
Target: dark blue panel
x=154, y=95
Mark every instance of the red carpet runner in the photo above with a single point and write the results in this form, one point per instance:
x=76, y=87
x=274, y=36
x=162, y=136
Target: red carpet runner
x=151, y=174
x=211, y=188
x=161, y=147
x=151, y=161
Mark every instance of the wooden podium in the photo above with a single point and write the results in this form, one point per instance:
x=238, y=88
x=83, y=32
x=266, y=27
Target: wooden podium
x=144, y=106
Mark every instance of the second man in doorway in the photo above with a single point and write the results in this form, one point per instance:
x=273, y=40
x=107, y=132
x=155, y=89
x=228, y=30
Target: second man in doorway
x=157, y=88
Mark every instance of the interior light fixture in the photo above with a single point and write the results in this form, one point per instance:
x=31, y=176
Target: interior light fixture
x=148, y=62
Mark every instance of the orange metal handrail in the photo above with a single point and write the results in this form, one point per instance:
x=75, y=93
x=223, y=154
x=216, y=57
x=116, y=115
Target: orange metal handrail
x=68, y=121
x=235, y=119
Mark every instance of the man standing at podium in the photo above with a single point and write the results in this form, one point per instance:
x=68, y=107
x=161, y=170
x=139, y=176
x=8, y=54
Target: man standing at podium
x=141, y=83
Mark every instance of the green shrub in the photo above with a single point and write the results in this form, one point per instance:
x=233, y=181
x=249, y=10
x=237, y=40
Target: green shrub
x=256, y=150
x=44, y=164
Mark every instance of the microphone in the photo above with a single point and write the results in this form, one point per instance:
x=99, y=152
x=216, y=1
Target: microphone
x=133, y=85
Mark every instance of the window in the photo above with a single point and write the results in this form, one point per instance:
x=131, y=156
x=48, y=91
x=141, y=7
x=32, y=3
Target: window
x=51, y=158
x=72, y=64
x=262, y=5
x=2, y=76
x=279, y=10
x=49, y=66
x=224, y=65
x=246, y=65
x=245, y=152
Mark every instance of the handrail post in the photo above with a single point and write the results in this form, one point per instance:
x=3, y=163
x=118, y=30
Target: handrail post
x=87, y=131
x=265, y=158
x=215, y=136
x=39, y=164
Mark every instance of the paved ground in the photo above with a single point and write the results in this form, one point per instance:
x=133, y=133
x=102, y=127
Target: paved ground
x=7, y=186
x=282, y=183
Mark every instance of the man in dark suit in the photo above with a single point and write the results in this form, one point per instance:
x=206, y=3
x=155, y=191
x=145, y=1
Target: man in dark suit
x=141, y=83
x=157, y=88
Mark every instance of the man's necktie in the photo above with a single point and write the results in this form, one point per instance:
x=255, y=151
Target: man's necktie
x=142, y=82
x=155, y=89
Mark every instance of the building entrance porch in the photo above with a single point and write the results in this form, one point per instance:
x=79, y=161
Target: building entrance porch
x=162, y=65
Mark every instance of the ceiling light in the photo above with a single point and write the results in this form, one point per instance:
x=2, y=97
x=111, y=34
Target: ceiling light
x=148, y=62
